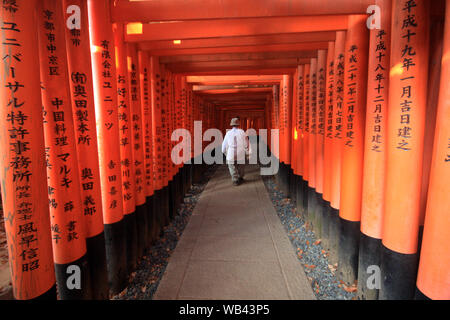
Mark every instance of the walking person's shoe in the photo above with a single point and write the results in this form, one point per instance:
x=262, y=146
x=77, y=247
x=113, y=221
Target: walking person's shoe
x=236, y=183
x=241, y=180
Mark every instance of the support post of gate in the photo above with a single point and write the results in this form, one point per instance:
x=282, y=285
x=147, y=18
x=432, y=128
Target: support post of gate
x=372, y=203
x=105, y=97
x=434, y=276
x=320, y=131
x=68, y=225
x=405, y=136
x=327, y=148
x=23, y=178
x=338, y=107
x=83, y=110
x=355, y=89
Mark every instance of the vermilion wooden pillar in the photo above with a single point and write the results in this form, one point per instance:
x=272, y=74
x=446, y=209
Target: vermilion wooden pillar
x=300, y=131
x=294, y=138
x=405, y=134
x=137, y=146
x=320, y=132
x=305, y=135
x=328, y=139
x=328, y=143
x=312, y=199
x=354, y=115
x=164, y=82
x=338, y=107
x=157, y=143
x=372, y=203
x=144, y=78
x=294, y=131
x=83, y=110
x=125, y=144
x=23, y=178
x=434, y=276
x=68, y=225
x=287, y=83
x=105, y=97
x=287, y=120
x=276, y=119
x=312, y=123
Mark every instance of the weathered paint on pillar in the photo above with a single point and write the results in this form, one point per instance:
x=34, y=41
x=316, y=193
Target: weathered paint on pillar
x=68, y=225
x=405, y=134
x=24, y=179
x=433, y=279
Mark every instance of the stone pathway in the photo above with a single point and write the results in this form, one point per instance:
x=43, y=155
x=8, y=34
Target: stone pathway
x=234, y=247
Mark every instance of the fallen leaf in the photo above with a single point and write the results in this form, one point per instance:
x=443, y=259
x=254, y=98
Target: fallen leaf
x=310, y=266
x=317, y=242
x=350, y=289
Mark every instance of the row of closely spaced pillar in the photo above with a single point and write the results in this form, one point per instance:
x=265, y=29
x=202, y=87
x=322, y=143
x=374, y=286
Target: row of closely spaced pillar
x=88, y=181
x=369, y=156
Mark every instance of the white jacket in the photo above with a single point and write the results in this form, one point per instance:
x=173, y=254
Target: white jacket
x=236, y=145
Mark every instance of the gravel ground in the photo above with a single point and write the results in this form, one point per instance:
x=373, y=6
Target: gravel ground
x=311, y=254
x=145, y=280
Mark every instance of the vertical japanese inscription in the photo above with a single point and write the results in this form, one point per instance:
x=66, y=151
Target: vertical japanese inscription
x=408, y=52
x=23, y=178
x=67, y=223
x=105, y=96
x=136, y=117
x=83, y=112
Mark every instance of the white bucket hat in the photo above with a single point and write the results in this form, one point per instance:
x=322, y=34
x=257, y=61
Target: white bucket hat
x=234, y=122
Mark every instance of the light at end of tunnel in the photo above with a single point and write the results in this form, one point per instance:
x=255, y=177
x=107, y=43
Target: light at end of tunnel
x=176, y=41
x=295, y=134
x=129, y=62
x=116, y=52
x=134, y=28
x=95, y=49
x=396, y=70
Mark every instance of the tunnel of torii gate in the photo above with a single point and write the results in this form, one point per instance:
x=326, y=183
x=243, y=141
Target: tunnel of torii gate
x=358, y=90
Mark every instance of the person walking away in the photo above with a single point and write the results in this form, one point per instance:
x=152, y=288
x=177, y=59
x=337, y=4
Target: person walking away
x=236, y=148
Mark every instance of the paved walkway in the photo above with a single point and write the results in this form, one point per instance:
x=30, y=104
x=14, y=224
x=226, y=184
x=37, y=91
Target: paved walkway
x=234, y=247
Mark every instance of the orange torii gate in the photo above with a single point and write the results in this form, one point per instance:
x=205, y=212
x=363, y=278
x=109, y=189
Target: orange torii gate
x=357, y=165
